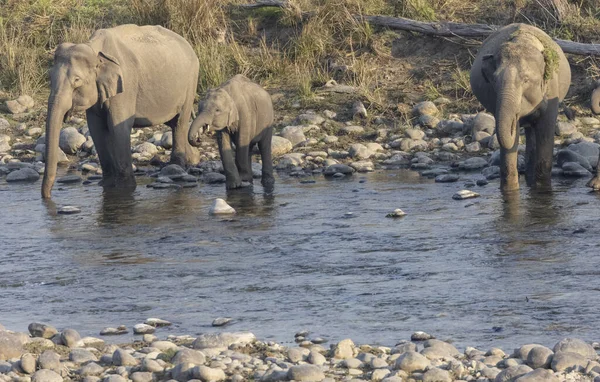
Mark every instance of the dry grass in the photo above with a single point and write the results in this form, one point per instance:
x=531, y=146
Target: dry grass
x=296, y=48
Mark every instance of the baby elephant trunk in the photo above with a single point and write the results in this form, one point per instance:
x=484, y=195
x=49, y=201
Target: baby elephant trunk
x=200, y=125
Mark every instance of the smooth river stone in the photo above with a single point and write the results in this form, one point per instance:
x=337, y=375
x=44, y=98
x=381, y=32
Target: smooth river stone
x=220, y=207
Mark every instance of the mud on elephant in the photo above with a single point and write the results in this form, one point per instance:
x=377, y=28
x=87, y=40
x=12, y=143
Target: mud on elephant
x=123, y=77
x=241, y=113
x=520, y=75
x=595, y=105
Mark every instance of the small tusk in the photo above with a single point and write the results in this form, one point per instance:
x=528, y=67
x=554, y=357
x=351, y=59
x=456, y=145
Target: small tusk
x=207, y=129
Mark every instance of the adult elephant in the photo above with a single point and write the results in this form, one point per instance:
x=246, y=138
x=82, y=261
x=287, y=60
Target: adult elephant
x=595, y=181
x=241, y=112
x=520, y=75
x=124, y=77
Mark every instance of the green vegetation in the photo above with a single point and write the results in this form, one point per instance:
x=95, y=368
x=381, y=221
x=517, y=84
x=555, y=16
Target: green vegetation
x=295, y=49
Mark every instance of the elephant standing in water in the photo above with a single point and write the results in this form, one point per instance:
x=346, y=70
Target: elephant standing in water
x=595, y=181
x=124, y=77
x=241, y=112
x=520, y=75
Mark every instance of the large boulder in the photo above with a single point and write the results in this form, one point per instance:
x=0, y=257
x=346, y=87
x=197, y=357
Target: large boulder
x=23, y=175
x=484, y=122
x=575, y=345
x=37, y=329
x=588, y=150
x=539, y=357
x=71, y=140
x=411, y=362
x=294, y=134
x=566, y=155
x=20, y=105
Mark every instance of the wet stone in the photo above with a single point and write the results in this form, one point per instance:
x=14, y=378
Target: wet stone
x=23, y=175
x=220, y=207
x=68, y=210
x=113, y=331
x=448, y=178
x=465, y=194
x=221, y=321
x=338, y=169
x=157, y=322
x=421, y=336
x=41, y=330
x=69, y=179
x=143, y=329
x=573, y=169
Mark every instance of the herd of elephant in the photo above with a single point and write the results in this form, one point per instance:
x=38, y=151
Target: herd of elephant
x=138, y=76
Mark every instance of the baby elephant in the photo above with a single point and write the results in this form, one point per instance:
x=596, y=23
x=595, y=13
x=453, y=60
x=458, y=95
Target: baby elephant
x=241, y=112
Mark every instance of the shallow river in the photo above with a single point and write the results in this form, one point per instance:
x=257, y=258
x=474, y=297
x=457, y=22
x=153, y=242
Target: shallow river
x=482, y=272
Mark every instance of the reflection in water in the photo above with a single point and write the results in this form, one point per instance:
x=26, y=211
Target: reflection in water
x=296, y=259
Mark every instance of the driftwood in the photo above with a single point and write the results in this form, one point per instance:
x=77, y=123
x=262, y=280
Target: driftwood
x=444, y=29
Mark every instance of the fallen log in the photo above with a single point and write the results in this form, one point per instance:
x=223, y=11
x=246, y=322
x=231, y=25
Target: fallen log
x=443, y=29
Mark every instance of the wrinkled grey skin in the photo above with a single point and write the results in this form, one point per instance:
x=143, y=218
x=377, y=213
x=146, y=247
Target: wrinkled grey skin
x=507, y=77
x=124, y=77
x=241, y=112
x=595, y=181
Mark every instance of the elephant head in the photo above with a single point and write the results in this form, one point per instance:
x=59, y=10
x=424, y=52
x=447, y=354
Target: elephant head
x=596, y=98
x=79, y=79
x=518, y=73
x=217, y=111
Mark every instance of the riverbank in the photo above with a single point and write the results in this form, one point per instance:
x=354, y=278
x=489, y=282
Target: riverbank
x=47, y=355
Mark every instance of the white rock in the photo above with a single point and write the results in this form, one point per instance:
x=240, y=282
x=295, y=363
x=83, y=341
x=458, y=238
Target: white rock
x=143, y=329
x=464, y=194
x=220, y=207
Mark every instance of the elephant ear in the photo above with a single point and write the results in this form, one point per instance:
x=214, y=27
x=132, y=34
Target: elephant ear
x=488, y=67
x=233, y=116
x=110, y=77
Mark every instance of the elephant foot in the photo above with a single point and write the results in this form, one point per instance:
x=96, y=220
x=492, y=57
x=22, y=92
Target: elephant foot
x=192, y=156
x=594, y=183
x=121, y=182
x=267, y=181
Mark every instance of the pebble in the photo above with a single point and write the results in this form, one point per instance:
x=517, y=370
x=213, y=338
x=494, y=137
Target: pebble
x=143, y=329
x=220, y=207
x=465, y=194
x=221, y=321
x=68, y=210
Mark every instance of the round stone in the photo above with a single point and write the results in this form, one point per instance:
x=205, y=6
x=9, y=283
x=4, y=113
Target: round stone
x=306, y=373
x=68, y=210
x=412, y=362
x=69, y=179
x=220, y=207
x=46, y=375
x=539, y=357
x=143, y=329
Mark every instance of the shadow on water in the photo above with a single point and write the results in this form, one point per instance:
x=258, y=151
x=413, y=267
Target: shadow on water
x=247, y=201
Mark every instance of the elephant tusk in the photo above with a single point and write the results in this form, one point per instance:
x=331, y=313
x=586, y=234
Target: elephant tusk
x=207, y=129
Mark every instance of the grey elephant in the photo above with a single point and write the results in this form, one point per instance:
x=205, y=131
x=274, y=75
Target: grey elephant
x=123, y=77
x=520, y=75
x=241, y=112
x=595, y=105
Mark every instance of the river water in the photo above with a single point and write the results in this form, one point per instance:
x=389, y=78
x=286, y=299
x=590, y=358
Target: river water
x=492, y=271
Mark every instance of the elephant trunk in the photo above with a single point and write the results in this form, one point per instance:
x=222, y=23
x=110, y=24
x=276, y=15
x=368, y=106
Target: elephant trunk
x=596, y=100
x=58, y=106
x=197, y=129
x=506, y=119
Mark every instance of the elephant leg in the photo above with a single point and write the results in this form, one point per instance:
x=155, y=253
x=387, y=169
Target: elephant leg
x=509, y=173
x=183, y=153
x=118, y=148
x=530, y=155
x=264, y=146
x=595, y=181
x=99, y=133
x=243, y=160
x=544, y=139
x=227, y=157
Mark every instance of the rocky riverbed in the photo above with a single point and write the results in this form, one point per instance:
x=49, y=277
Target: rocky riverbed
x=47, y=355
x=309, y=143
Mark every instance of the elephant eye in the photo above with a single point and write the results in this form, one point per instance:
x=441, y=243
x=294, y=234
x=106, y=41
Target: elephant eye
x=76, y=81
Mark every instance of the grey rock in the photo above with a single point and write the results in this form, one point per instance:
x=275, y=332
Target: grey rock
x=414, y=134
x=568, y=361
x=186, y=355
x=359, y=110
x=474, y=163
x=91, y=369
x=114, y=331
x=50, y=360
x=565, y=128
x=294, y=134
x=28, y=363
x=220, y=207
x=588, y=150
x=412, y=362
x=213, y=178
x=141, y=376
x=146, y=149
x=172, y=170
x=429, y=121
x=20, y=105
x=437, y=375
x=344, y=349
x=71, y=140
x=575, y=345
x=539, y=357
x=425, y=108
x=46, y=375
x=566, y=155
x=484, y=122
x=223, y=340
x=166, y=141
x=10, y=346
x=448, y=178
x=69, y=179
x=82, y=356
x=574, y=169
x=316, y=358
x=363, y=166
x=208, y=374
x=143, y=329
x=492, y=172
x=151, y=365
x=482, y=137
x=403, y=348
x=306, y=373
x=338, y=168
x=311, y=118
x=465, y=194
x=450, y=127
x=360, y=151
x=421, y=336
x=157, y=322
x=280, y=146
x=352, y=363
x=539, y=375
x=23, y=175
x=512, y=373
x=221, y=321
x=37, y=329
x=352, y=130
x=441, y=347
x=122, y=358
x=473, y=147
x=296, y=354
x=114, y=378
x=70, y=338
x=4, y=124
